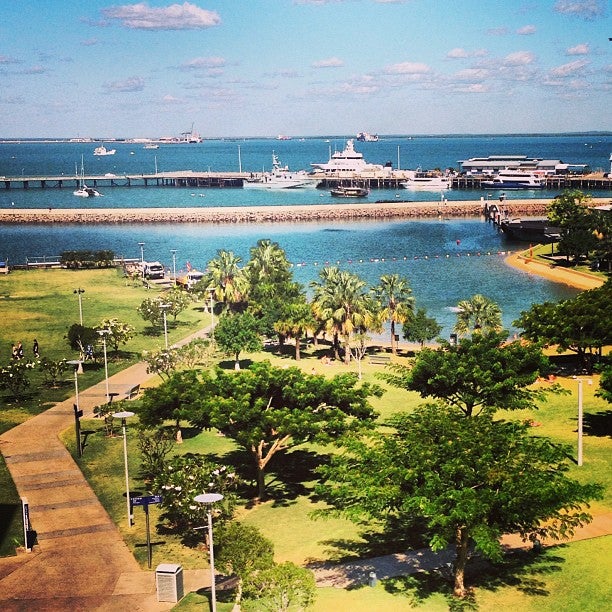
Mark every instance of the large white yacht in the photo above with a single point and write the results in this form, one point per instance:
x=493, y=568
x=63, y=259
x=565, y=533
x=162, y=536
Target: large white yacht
x=348, y=163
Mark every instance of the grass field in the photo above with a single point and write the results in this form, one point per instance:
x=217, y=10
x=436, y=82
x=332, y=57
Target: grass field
x=567, y=578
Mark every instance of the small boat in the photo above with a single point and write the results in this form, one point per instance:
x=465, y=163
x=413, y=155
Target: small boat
x=515, y=179
x=83, y=191
x=151, y=146
x=349, y=191
x=422, y=182
x=104, y=151
x=367, y=137
x=280, y=178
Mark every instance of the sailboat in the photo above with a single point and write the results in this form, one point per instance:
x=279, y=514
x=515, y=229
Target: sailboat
x=83, y=190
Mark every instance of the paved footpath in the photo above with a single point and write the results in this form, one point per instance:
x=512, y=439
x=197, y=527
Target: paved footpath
x=81, y=561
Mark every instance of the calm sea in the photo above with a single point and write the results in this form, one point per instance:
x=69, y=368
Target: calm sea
x=445, y=260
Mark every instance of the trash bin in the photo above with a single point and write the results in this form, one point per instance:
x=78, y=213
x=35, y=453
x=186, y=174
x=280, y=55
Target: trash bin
x=372, y=579
x=169, y=582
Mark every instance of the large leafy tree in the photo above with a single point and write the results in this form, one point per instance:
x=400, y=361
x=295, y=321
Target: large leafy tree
x=480, y=374
x=267, y=409
x=117, y=332
x=571, y=213
x=421, y=328
x=394, y=295
x=582, y=324
x=469, y=481
x=236, y=333
x=478, y=314
x=242, y=550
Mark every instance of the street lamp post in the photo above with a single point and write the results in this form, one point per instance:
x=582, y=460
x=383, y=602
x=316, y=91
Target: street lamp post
x=209, y=499
x=77, y=409
x=212, y=315
x=173, y=251
x=103, y=333
x=164, y=307
x=124, y=416
x=580, y=419
x=141, y=245
x=79, y=292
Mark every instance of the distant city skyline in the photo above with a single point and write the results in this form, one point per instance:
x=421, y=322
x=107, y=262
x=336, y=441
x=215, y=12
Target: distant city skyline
x=262, y=68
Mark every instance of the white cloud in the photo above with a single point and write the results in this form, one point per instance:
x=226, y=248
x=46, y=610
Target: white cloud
x=90, y=42
x=519, y=58
x=408, y=68
x=130, y=84
x=203, y=63
x=473, y=74
x=457, y=53
x=566, y=70
x=184, y=16
x=587, y=9
x=5, y=60
x=330, y=62
x=578, y=50
x=474, y=88
x=526, y=30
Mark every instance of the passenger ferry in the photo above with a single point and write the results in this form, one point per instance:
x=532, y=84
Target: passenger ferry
x=514, y=179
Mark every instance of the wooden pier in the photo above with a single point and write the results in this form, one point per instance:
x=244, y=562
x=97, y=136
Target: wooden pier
x=195, y=179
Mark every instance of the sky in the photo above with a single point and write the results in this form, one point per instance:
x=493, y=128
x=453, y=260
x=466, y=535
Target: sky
x=261, y=68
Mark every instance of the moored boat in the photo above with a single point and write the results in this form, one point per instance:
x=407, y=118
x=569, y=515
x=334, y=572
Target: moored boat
x=514, y=179
x=280, y=178
x=349, y=191
x=348, y=162
x=102, y=150
x=427, y=183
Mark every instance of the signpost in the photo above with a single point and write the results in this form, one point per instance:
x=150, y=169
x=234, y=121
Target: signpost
x=144, y=501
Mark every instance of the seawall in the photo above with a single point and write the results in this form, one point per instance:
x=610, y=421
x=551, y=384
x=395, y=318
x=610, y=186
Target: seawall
x=238, y=214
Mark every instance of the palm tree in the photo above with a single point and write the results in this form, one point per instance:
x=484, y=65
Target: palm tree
x=477, y=314
x=226, y=279
x=341, y=303
x=296, y=322
x=396, y=302
x=268, y=263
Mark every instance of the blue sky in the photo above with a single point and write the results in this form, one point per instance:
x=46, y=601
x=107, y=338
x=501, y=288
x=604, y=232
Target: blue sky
x=303, y=67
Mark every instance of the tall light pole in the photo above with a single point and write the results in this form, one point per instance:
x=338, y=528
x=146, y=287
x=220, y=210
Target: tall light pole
x=142, y=270
x=79, y=292
x=173, y=251
x=77, y=409
x=209, y=499
x=124, y=416
x=580, y=418
x=212, y=315
x=103, y=333
x=165, y=307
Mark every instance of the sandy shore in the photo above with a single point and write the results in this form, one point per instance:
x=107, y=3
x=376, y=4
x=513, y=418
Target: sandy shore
x=573, y=278
x=252, y=214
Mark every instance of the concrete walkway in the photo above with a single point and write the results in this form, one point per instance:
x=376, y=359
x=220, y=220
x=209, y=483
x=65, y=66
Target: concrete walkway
x=81, y=561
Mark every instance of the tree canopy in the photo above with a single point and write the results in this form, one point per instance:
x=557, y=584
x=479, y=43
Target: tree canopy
x=481, y=373
x=468, y=480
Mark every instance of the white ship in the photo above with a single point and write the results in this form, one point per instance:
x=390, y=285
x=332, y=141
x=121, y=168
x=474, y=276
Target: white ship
x=102, y=150
x=349, y=163
x=514, y=179
x=280, y=178
x=422, y=182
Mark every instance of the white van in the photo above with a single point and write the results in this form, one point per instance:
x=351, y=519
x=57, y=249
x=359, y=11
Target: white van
x=153, y=269
x=190, y=279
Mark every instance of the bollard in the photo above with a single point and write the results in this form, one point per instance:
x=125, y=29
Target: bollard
x=372, y=579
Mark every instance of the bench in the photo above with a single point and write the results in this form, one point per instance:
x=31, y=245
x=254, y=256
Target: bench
x=379, y=359
x=133, y=392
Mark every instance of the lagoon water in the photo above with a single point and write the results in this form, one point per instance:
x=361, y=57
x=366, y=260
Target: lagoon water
x=445, y=260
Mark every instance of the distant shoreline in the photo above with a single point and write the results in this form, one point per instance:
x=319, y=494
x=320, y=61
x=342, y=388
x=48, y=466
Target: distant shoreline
x=265, y=214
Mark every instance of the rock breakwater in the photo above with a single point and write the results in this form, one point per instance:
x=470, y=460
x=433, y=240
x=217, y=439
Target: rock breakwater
x=261, y=214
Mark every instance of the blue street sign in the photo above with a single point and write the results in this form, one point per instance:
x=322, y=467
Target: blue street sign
x=145, y=500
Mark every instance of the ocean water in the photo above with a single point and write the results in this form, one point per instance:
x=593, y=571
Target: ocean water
x=445, y=260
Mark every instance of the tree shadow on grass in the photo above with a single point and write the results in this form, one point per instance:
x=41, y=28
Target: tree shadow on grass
x=520, y=569
x=598, y=424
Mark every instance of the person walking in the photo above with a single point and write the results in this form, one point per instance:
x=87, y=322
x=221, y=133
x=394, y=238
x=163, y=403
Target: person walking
x=35, y=349
x=19, y=350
